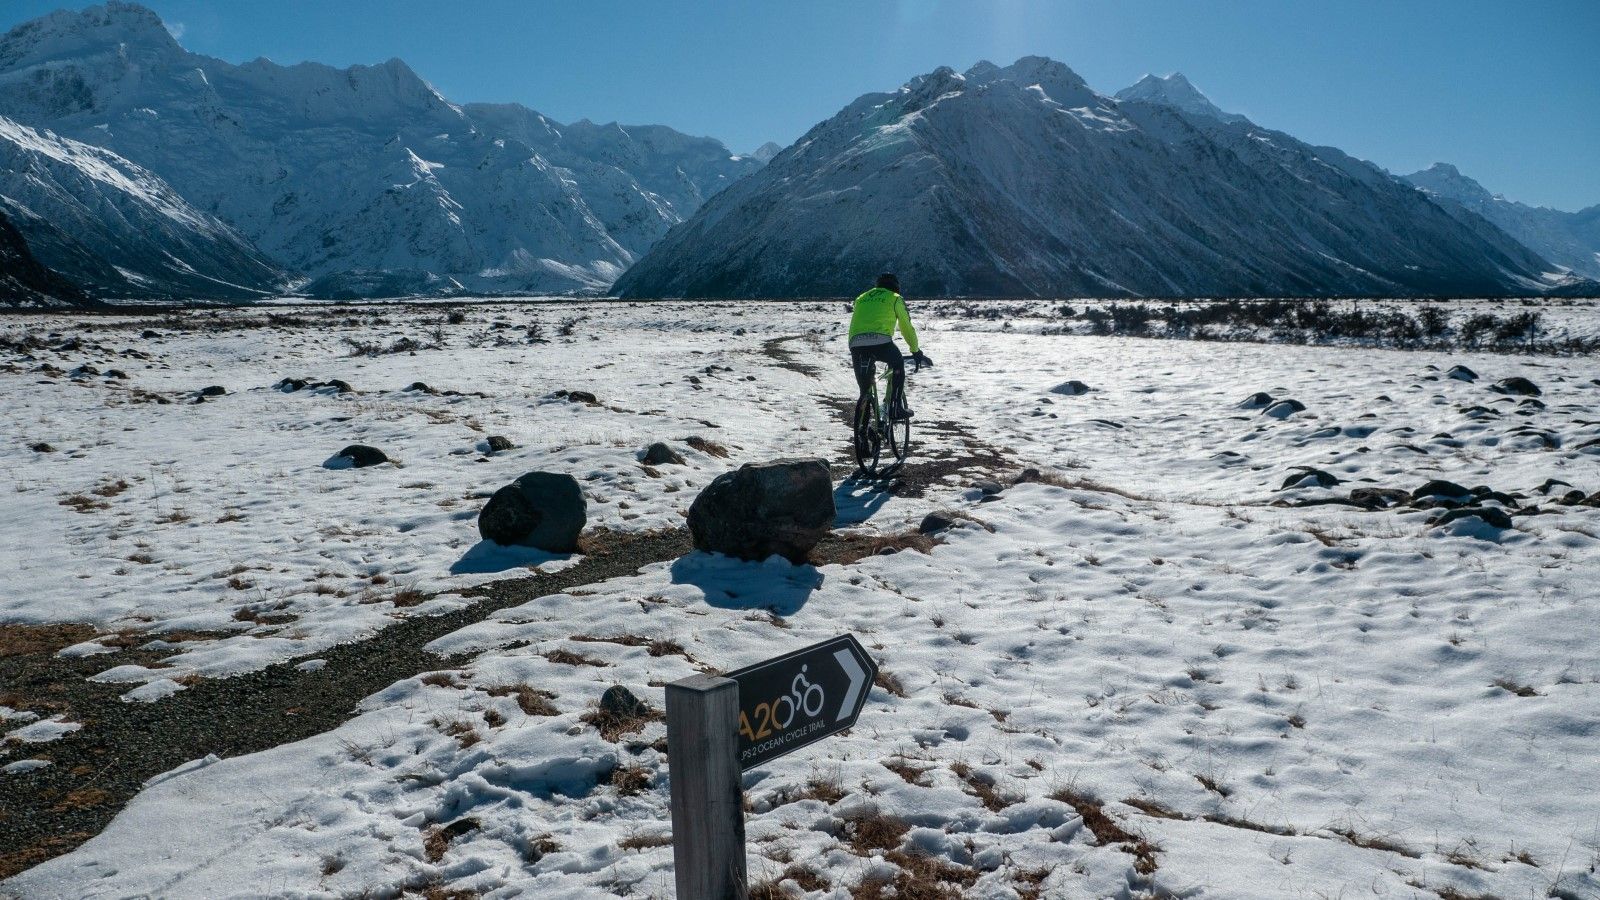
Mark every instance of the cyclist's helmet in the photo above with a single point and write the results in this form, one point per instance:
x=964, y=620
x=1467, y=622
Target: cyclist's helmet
x=887, y=281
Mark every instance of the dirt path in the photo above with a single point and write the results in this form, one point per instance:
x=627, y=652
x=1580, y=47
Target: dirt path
x=94, y=772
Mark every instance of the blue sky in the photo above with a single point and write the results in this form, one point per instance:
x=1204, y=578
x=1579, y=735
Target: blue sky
x=1508, y=91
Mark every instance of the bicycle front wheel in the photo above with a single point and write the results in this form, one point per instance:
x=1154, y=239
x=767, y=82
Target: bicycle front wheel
x=898, y=437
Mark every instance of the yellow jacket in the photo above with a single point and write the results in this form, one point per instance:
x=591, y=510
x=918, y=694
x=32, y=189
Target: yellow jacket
x=878, y=311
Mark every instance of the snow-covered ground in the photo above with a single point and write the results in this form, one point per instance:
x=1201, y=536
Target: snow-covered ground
x=1263, y=701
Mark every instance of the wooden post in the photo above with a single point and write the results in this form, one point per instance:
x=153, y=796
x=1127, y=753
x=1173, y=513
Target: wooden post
x=707, y=797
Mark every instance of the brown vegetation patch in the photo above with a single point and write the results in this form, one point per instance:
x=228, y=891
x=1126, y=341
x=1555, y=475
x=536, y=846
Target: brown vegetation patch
x=46, y=848
x=533, y=701
x=911, y=774
x=869, y=831
x=568, y=658
x=889, y=682
x=848, y=547
x=1375, y=842
x=646, y=840
x=921, y=877
x=439, y=837
x=807, y=878
x=1108, y=832
x=708, y=447
x=631, y=780
x=1521, y=690
x=981, y=785
x=84, y=503
x=22, y=640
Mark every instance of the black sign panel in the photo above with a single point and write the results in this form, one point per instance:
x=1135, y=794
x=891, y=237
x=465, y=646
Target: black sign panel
x=801, y=697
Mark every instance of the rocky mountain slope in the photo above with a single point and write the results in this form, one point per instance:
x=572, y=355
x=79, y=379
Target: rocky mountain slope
x=367, y=175
x=117, y=230
x=1024, y=181
x=1565, y=238
x=26, y=283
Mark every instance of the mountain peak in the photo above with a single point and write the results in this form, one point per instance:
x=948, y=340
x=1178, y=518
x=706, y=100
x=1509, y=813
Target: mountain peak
x=126, y=26
x=1178, y=92
x=1446, y=180
x=766, y=151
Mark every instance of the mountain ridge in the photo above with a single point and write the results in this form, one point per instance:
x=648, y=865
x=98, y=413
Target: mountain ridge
x=1023, y=181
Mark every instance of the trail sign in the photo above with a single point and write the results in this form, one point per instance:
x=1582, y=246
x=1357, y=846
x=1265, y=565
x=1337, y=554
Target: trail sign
x=717, y=726
x=800, y=698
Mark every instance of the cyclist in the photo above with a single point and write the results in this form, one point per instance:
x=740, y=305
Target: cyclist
x=872, y=322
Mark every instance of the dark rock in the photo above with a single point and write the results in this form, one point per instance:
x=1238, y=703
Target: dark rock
x=1283, y=409
x=1461, y=373
x=339, y=386
x=1258, y=400
x=582, y=397
x=781, y=507
x=361, y=456
x=118, y=374
x=935, y=522
x=41, y=447
x=1441, y=488
x=290, y=385
x=989, y=486
x=499, y=443
x=1029, y=475
x=1489, y=515
x=84, y=371
x=420, y=386
x=1379, y=498
x=149, y=333
x=1592, y=500
x=659, y=454
x=619, y=702
x=1550, y=484
x=541, y=509
x=1309, y=477
x=215, y=390
x=1571, y=498
x=1070, y=388
x=1516, y=385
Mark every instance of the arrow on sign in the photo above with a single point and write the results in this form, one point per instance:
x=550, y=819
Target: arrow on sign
x=858, y=678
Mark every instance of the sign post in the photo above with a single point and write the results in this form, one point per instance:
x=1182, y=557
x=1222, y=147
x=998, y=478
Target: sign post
x=718, y=727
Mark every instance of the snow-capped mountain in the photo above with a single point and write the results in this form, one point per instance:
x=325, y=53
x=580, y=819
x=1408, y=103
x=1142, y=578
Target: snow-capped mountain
x=1024, y=181
x=363, y=175
x=1570, y=239
x=24, y=282
x=766, y=151
x=115, y=229
x=1177, y=92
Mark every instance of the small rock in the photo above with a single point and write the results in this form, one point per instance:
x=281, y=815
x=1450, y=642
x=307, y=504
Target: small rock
x=935, y=522
x=215, y=390
x=339, y=386
x=544, y=510
x=84, y=371
x=149, y=333
x=118, y=374
x=1029, y=475
x=621, y=703
x=1283, y=409
x=1379, y=498
x=659, y=454
x=41, y=447
x=582, y=397
x=499, y=443
x=1309, y=477
x=1490, y=515
x=421, y=387
x=1516, y=385
x=1550, y=484
x=1571, y=498
x=1461, y=373
x=1070, y=388
x=361, y=456
x=989, y=486
x=1441, y=488
x=1258, y=400
x=290, y=385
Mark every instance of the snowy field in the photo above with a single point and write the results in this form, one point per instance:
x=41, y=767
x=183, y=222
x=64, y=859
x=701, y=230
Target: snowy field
x=1135, y=677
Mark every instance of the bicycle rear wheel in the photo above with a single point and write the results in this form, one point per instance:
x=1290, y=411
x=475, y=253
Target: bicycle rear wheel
x=868, y=441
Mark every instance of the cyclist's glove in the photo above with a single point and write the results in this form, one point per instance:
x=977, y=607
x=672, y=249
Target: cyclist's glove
x=922, y=359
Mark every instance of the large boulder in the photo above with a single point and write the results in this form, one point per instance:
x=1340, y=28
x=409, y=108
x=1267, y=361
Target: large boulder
x=541, y=509
x=1516, y=385
x=361, y=456
x=781, y=507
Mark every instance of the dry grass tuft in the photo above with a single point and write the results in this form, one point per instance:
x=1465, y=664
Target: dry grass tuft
x=646, y=840
x=631, y=780
x=809, y=880
x=1521, y=690
x=708, y=447
x=869, y=831
x=982, y=786
x=612, y=725
x=23, y=640
x=533, y=701
x=439, y=837
x=850, y=547
x=889, y=682
x=568, y=658
x=921, y=877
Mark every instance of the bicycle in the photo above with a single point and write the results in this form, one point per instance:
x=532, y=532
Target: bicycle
x=873, y=431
